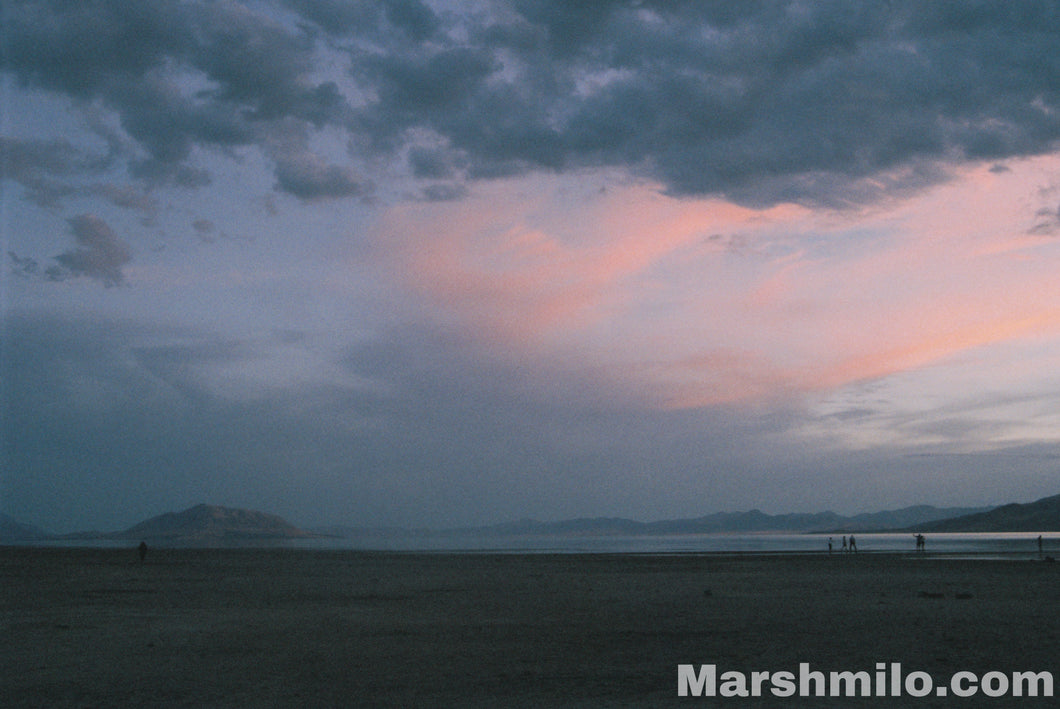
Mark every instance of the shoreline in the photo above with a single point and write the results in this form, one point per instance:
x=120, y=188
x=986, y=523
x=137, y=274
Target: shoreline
x=996, y=555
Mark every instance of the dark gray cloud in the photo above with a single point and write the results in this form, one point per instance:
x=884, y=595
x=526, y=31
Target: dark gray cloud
x=761, y=102
x=179, y=75
x=99, y=253
x=306, y=176
x=444, y=192
x=832, y=102
x=1047, y=222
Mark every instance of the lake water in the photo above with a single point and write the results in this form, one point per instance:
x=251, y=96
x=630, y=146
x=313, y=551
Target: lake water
x=967, y=543
x=992, y=544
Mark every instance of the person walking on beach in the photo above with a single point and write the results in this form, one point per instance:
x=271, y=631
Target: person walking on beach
x=844, y=542
x=142, y=551
x=920, y=542
x=829, y=545
x=1039, y=546
x=853, y=544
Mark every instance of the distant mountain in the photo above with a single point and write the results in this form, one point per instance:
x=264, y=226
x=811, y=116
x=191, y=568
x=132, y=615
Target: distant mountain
x=1039, y=516
x=905, y=517
x=757, y=521
x=12, y=530
x=210, y=523
x=720, y=522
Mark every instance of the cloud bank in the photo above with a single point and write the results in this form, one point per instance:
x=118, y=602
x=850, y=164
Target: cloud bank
x=831, y=103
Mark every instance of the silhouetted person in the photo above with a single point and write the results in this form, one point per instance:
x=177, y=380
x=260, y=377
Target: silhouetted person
x=853, y=544
x=142, y=551
x=844, y=543
x=920, y=542
x=1039, y=545
x=829, y=545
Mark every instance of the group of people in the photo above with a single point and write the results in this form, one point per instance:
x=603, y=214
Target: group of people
x=848, y=545
x=921, y=544
x=852, y=544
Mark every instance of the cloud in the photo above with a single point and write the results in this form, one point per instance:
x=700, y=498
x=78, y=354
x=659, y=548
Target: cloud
x=204, y=229
x=24, y=266
x=42, y=167
x=178, y=76
x=696, y=303
x=51, y=171
x=760, y=103
x=307, y=177
x=831, y=102
x=99, y=255
x=442, y=192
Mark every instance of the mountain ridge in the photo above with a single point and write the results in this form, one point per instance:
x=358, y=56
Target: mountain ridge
x=719, y=522
x=211, y=524
x=1042, y=515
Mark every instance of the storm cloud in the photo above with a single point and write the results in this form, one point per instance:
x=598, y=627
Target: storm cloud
x=828, y=102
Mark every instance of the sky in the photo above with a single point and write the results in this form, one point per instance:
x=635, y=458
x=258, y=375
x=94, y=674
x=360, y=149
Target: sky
x=435, y=263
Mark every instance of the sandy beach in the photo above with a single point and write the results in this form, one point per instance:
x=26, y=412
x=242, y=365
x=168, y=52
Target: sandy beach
x=284, y=628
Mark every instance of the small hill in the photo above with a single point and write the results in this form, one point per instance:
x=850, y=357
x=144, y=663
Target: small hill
x=11, y=530
x=210, y=523
x=1039, y=516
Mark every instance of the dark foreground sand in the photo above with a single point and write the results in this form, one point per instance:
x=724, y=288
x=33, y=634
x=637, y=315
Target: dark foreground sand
x=284, y=628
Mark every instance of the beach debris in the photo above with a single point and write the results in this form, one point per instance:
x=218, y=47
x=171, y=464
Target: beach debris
x=931, y=594
x=963, y=596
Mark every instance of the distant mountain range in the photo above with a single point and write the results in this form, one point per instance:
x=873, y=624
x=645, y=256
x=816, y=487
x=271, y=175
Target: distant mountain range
x=211, y=524
x=1039, y=516
x=721, y=522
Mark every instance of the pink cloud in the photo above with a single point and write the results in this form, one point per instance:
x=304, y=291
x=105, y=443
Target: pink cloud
x=530, y=260
x=701, y=302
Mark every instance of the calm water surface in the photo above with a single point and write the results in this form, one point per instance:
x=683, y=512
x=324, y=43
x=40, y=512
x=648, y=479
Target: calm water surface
x=992, y=544
x=968, y=543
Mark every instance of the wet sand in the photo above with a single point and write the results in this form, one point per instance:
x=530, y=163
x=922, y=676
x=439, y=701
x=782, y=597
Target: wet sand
x=285, y=628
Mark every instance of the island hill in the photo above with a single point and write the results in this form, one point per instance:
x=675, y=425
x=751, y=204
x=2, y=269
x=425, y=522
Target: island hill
x=204, y=525
x=210, y=525
x=210, y=522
